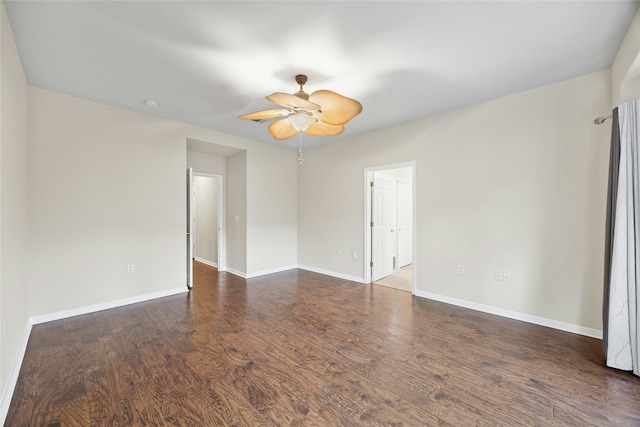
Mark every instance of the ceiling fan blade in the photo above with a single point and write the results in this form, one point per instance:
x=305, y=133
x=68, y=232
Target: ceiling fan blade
x=292, y=101
x=336, y=109
x=324, y=129
x=266, y=114
x=282, y=129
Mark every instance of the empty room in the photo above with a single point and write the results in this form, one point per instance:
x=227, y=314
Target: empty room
x=319, y=213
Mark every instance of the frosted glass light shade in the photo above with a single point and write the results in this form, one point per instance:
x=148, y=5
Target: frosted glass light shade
x=301, y=120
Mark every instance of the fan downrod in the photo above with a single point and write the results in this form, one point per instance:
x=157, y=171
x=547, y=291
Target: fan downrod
x=301, y=79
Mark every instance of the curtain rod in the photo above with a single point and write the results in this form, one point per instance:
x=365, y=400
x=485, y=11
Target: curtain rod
x=601, y=120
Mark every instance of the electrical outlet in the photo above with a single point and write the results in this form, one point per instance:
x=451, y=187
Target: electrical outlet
x=460, y=269
x=339, y=252
x=130, y=268
x=498, y=275
x=355, y=254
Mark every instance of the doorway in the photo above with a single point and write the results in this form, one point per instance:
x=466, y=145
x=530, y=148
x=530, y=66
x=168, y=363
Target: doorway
x=390, y=226
x=207, y=220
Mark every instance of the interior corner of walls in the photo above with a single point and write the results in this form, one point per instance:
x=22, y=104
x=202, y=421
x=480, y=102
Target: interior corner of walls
x=207, y=262
x=236, y=272
x=270, y=271
x=9, y=386
x=629, y=91
x=626, y=64
x=337, y=275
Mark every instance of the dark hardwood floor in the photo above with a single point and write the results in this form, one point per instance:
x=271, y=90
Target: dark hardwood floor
x=299, y=348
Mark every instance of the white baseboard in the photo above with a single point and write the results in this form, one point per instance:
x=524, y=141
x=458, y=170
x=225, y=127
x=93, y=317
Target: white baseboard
x=12, y=380
x=259, y=273
x=270, y=271
x=291, y=267
x=332, y=274
x=536, y=320
x=206, y=261
x=105, y=306
x=542, y=321
x=236, y=272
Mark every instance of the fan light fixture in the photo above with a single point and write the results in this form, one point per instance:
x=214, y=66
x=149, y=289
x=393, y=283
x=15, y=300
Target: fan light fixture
x=323, y=113
x=301, y=120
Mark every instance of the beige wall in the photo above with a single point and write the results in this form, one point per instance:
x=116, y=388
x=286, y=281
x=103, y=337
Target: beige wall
x=625, y=71
x=265, y=238
x=262, y=183
x=108, y=190
x=517, y=184
x=331, y=195
x=236, y=213
x=14, y=212
x=206, y=163
x=271, y=233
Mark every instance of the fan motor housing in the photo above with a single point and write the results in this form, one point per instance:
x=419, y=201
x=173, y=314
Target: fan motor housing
x=302, y=94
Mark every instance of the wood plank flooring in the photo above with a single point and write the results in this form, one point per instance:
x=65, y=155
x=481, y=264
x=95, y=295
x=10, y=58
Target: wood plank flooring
x=299, y=348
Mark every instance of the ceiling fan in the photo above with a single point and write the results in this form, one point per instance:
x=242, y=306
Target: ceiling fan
x=323, y=113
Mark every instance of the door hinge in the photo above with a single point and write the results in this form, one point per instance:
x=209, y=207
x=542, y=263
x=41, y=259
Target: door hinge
x=371, y=264
x=371, y=224
x=370, y=183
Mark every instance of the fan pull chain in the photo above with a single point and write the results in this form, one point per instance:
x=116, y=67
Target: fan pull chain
x=300, y=158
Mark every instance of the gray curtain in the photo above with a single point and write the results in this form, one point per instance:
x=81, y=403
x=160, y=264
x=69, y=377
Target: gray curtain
x=622, y=342
x=614, y=166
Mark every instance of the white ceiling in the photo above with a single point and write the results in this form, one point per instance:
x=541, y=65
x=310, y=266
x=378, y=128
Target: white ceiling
x=206, y=62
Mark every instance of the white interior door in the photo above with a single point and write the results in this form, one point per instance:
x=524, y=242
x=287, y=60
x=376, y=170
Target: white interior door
x=383, y=214
x=405, y=223
x=189, y=228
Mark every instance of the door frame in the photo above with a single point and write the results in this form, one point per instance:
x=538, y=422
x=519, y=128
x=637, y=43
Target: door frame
x=189, y=230
x=222, y=236
x=368, y=255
